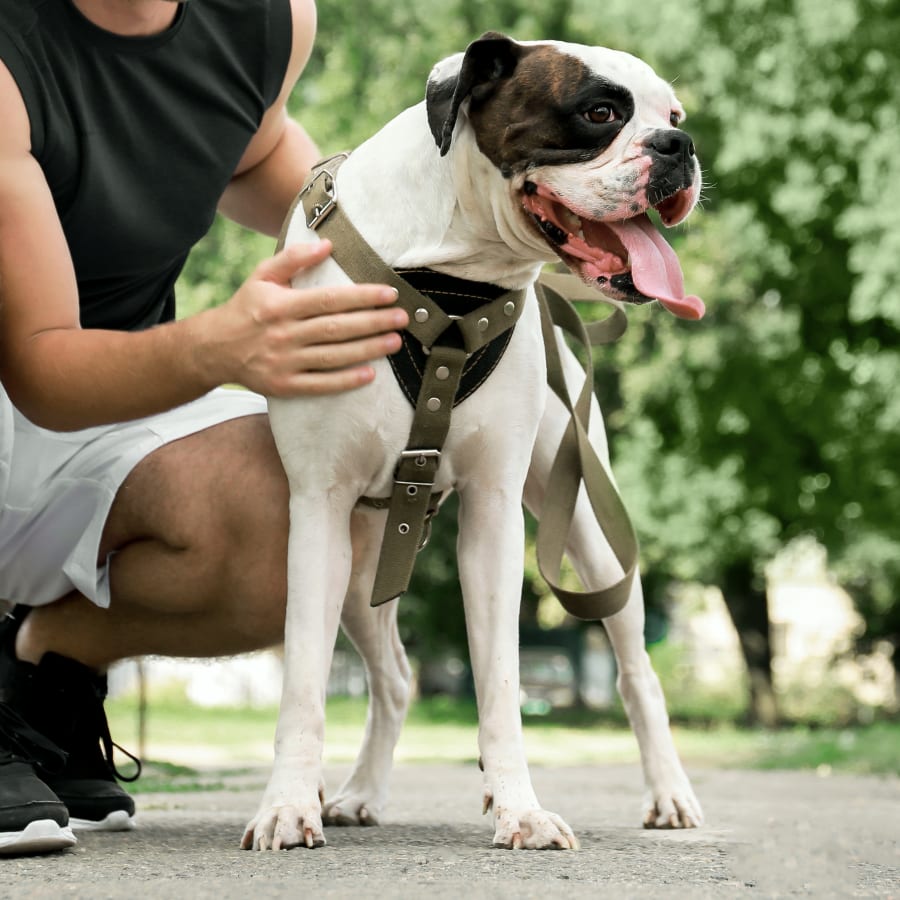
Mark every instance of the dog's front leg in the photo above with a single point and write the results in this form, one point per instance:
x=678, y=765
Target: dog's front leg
x=491, y=561
x=670, y=801
x=290, y=813
x=362, y=797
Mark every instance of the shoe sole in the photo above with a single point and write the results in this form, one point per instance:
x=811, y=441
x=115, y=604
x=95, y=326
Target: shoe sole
x=119, y=820
x=42, y=836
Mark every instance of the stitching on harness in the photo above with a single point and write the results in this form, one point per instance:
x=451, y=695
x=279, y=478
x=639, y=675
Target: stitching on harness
x=407, y=392
x=486, y=374
x=429, y=292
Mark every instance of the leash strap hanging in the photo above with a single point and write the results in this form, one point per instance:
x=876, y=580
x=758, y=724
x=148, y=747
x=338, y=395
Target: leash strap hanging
x=576, y=461
x=412, y=503
x=566, y=289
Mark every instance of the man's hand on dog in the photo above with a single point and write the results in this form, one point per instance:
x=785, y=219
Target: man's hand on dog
x=284, y=341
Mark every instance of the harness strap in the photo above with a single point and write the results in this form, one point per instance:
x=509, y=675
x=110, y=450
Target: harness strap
x=427, y=321
x=413, y=502
x=567, y=289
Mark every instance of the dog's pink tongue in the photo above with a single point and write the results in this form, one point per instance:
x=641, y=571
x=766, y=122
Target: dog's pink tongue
x=655, y=269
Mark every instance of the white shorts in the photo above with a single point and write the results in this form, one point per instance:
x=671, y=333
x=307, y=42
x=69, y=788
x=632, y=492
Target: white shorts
x=56, y=490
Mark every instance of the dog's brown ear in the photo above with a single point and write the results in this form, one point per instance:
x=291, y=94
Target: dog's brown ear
x=475, y=74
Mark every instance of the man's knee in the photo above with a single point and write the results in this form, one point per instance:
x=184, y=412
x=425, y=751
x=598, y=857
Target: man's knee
x=212, y=509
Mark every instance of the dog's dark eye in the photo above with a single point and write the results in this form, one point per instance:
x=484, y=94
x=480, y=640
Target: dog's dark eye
x=674, y=119
x=601, y=114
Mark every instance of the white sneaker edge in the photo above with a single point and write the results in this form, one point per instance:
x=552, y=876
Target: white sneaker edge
x=118, y=820
x=40, y=836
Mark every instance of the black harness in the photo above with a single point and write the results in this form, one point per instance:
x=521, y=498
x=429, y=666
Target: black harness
x=456, y=297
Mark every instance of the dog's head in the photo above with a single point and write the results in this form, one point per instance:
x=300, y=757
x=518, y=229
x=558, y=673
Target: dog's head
x=588, y=140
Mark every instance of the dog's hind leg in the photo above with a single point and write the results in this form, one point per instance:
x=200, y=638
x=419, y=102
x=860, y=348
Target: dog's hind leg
x=362, y=797
x=670, y=801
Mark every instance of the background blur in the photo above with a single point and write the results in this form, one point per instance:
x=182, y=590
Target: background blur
x=758, y=448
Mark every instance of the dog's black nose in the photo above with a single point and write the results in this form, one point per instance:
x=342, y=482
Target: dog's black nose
x=670, y=142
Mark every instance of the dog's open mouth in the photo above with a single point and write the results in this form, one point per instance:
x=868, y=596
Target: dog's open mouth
x=626, y=259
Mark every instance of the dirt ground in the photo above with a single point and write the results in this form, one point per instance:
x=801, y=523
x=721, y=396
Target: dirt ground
x=768, y=834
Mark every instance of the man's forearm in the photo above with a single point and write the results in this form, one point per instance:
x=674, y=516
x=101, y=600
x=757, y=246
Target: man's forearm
x=69, y=379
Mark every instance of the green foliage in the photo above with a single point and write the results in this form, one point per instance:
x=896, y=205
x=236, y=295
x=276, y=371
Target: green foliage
x=689, y=701
x=778, y=414
x=168, y=778
x=869, y=570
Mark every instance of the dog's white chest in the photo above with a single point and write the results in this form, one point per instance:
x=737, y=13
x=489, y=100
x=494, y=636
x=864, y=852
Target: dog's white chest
x=352, y=441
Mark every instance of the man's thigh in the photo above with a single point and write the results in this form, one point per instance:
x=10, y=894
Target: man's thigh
x=215, y=487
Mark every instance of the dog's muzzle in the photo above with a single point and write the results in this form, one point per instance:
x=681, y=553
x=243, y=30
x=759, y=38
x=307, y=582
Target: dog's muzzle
x=627, y=258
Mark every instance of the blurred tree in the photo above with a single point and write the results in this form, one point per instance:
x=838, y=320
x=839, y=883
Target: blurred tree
x=778, y=416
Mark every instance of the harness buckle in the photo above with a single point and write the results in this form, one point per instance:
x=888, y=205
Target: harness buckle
x=420, y=461
x=321, y=210
x=421, y=457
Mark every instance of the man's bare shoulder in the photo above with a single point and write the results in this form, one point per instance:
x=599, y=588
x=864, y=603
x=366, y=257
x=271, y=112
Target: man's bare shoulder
x=303, y=13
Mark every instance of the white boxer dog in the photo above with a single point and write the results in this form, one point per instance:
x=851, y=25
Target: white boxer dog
x=521, y=154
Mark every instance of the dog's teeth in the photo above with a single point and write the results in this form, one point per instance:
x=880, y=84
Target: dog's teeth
x=555, y=233
x=570, y=221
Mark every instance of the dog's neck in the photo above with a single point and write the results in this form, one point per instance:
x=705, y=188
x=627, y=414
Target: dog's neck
x=453, y=214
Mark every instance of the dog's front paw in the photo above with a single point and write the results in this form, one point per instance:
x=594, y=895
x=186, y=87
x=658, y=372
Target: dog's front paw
x=533, y=829
x=283, y=827
x=673, y=806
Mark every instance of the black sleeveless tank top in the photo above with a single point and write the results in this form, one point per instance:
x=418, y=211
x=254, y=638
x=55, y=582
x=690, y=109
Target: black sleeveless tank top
x=138, y=137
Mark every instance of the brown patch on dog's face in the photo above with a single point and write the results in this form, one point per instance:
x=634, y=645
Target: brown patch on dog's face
x=549, y=112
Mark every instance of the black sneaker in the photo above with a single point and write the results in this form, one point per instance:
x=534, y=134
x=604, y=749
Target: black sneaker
x=63, y=700
x=32, y=818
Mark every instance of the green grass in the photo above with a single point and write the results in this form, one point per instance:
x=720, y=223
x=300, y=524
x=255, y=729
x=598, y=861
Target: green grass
x=220, y=741
x=164, y=777
x=874, y=749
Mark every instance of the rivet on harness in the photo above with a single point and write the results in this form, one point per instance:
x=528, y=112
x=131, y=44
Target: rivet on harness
x=449, y=341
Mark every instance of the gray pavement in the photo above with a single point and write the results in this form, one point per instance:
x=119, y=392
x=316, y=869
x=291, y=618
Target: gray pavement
x=768, y=834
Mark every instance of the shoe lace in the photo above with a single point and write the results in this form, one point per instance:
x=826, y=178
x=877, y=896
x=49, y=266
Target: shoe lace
x=109, y=745
x=27, y=743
